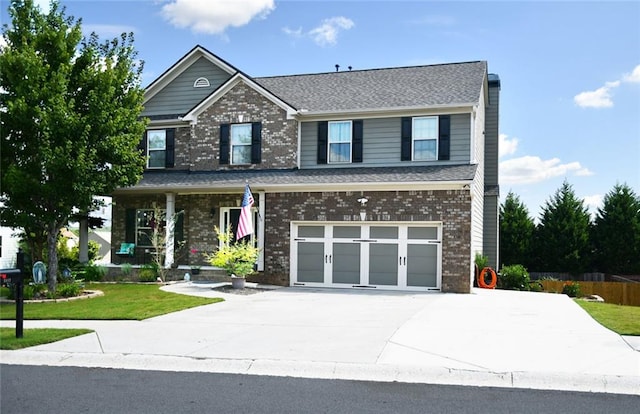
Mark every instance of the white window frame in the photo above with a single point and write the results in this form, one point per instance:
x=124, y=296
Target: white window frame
x=232, y=145
x=258, y=229
x=149, y=149
x=147, y=228
x=329, y=143
x=414, y=138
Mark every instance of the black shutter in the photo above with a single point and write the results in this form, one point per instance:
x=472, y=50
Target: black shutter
x=178, y=230
x=130, y=226
x=256, y=143
x=142, y=147
x=169, y=160
x=405, y=139
x=444, y=137
x=356, y=154
x=323, y=132
x=224, y=144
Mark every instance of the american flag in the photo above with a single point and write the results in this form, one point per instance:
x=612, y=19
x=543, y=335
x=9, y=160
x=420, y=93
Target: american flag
x=245, y=223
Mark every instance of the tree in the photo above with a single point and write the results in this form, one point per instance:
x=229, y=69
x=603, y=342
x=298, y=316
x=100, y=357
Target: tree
x=71, y=122
x=616, y=234
x=516, y=232
x=562, y=237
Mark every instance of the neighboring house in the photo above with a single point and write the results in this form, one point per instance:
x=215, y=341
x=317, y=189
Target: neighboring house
x=9, y=241
x=384, y=178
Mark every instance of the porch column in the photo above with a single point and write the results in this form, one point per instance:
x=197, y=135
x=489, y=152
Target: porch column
x=170, y=226
x=83, y=254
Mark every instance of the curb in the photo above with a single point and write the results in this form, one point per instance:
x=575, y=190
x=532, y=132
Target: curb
x=615, y=384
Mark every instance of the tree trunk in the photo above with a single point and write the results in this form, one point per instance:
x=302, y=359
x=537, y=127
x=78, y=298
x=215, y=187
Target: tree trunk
x=52, y=242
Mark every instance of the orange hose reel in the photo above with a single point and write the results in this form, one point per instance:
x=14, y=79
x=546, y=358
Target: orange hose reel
x=481, y=278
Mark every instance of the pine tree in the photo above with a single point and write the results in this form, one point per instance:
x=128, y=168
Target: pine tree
x=616, y=234
x=562, y=237
x=71, y=123
x=516, y=232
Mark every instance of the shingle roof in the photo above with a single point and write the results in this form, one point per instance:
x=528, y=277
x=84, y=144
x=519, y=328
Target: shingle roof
x=416, y=86
x=221, y=180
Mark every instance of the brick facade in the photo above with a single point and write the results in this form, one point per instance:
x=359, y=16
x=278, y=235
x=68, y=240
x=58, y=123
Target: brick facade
x=451, y=208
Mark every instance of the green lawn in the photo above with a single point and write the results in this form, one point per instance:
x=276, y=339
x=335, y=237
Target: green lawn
x=33, y=337
x=120, y=301
x=624, y=320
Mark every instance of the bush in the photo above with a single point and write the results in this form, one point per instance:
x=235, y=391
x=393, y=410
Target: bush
x=514, y=277
x=571, y=289
x=148, y=273
x=93, y=273
x=69, y=290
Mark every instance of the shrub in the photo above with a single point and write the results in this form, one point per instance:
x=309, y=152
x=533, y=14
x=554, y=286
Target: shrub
x=237, y=258
x=126, y=269
x=94, y=273
x=513, y=277
x=571, y=289
x=68, y=290
x=148, y=273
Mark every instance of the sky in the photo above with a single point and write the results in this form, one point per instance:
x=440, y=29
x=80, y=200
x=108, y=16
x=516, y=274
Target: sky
x=569, y=71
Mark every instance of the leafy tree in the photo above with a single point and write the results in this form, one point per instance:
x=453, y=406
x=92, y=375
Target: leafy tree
x=70, y=122
x=562, y=237
x=616, y=234
x=516, y=232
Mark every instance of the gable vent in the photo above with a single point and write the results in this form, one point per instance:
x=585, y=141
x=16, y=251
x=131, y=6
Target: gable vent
x=201, y=83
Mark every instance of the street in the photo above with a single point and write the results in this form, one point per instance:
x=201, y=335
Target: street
x=41, y=389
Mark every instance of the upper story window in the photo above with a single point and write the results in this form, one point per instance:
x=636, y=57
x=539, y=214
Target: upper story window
x=158, y=145
x=241, y=144
x=339, y=139
x=340, y=142
x=425, y=138
x=156, y=148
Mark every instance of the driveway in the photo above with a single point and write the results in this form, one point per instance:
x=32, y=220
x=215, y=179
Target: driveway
x=489, y=337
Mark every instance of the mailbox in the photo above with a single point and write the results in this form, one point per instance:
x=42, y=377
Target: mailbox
x=11, y=275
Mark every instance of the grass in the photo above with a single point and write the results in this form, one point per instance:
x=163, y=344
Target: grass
x=33, y=337
x=624, y=320
x=120, y=301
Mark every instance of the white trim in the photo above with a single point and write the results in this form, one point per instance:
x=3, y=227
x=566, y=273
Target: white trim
x=364, y=241
x=201, y=82
x=413, y=138
x=452, y=109
x=183, y=64
x=339, y=142
x=229, y=85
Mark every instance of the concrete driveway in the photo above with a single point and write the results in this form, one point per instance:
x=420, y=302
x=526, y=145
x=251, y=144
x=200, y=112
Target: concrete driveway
x=498, y=338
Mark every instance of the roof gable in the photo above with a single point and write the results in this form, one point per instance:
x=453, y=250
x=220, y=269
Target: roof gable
x=197, y=55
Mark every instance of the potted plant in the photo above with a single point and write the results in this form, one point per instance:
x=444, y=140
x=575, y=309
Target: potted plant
x=238, y=258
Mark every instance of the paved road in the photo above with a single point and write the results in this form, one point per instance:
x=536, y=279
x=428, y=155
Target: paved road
x=33, y=389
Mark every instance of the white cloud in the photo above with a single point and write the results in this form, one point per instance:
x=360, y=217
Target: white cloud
x=592, y=202
x=3, y=42
x=214, y=16
x=44, y=5
x=326, y=34
x=634, y=76
x=507, y=146
x=532, y=169
x=600, y=98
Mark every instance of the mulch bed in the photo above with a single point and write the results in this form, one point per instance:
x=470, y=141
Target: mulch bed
x=245, y=291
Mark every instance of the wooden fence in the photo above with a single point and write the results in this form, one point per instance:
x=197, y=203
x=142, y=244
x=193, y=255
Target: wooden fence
x=612, y=292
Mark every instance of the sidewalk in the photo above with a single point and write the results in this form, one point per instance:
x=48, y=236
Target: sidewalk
x=488, y=338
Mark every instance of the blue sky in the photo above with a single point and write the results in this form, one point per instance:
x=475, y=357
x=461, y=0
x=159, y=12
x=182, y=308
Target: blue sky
x=570, y=71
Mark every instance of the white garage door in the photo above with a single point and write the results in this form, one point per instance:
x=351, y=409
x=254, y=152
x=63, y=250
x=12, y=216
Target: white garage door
x=404, y=256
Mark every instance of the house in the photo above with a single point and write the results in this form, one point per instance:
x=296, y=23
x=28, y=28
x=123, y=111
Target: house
x=383, y=178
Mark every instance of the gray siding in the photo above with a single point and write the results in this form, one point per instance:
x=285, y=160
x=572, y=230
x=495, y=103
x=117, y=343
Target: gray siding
x=180, y=96
x=491, y=138
x=491, y=230
x=381, y=143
